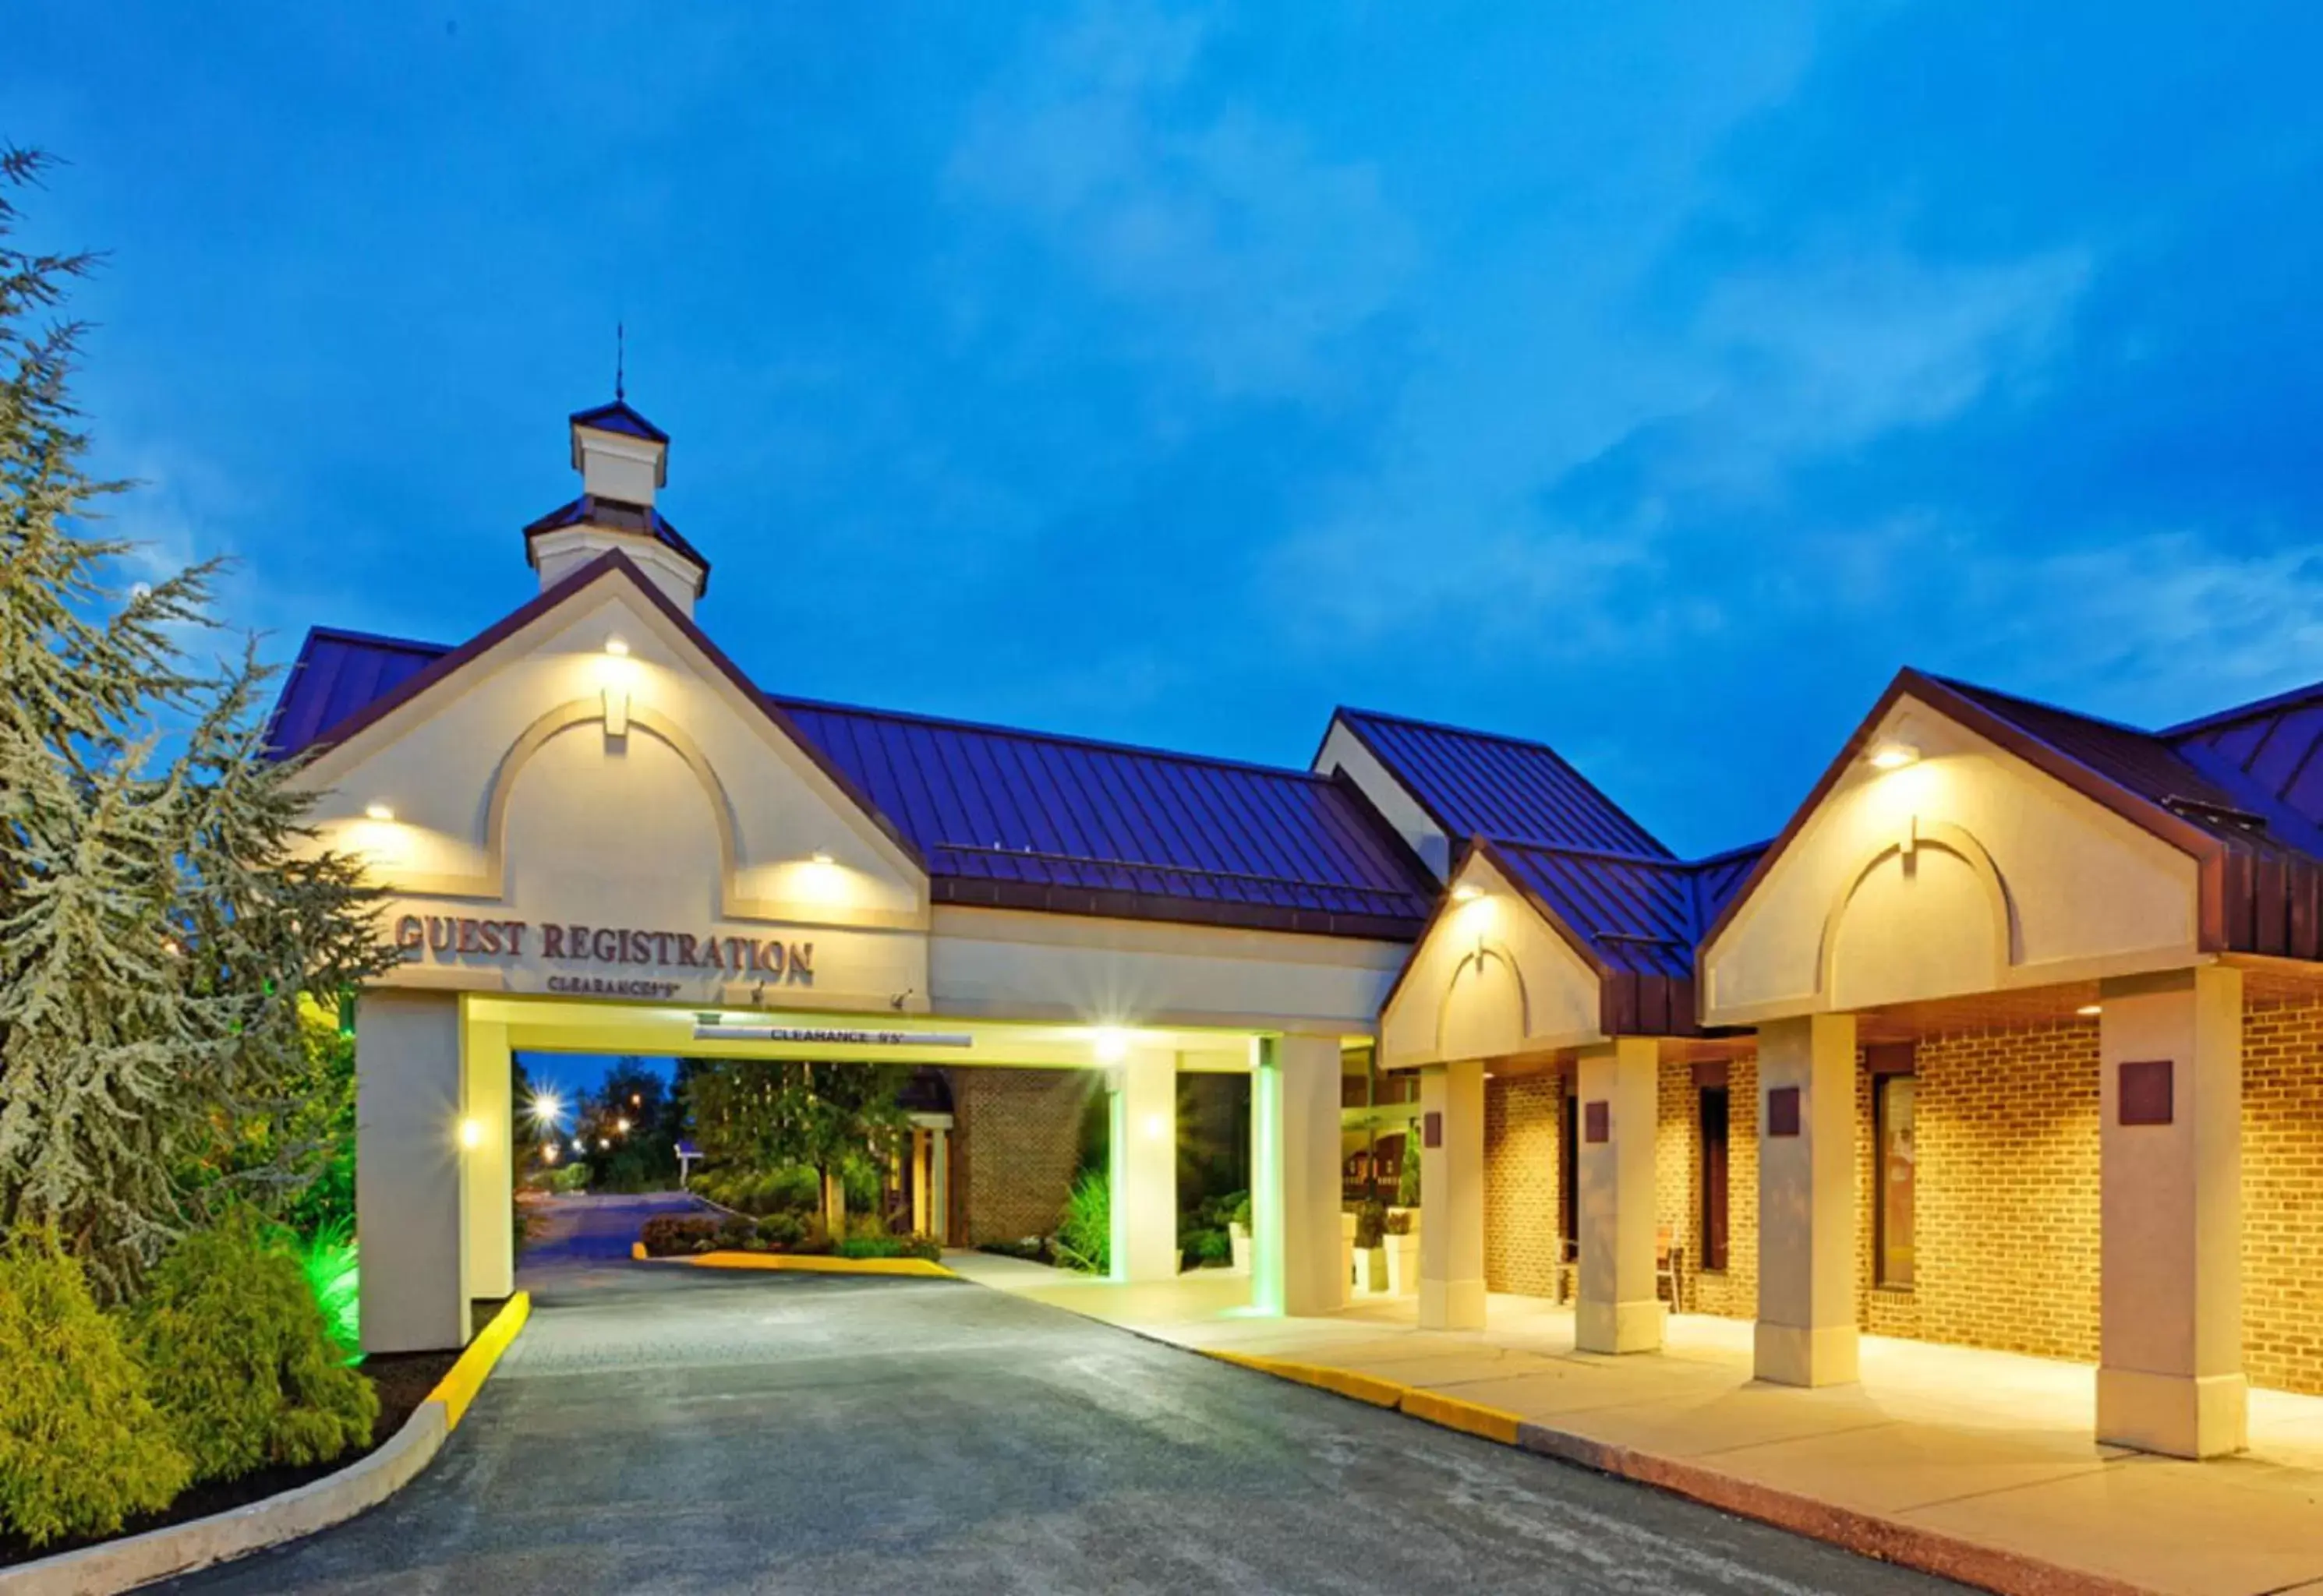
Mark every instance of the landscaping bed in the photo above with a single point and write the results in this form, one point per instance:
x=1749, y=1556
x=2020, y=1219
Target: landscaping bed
x=689, y=1235
x=402, y=1381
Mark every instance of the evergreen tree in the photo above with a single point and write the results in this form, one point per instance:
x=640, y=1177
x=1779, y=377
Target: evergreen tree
x=161, y=909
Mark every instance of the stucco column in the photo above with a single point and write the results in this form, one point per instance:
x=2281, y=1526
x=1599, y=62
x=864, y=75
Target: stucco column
x=487, y=1170
x=1806, y=1201
x=939, y=1182
x=2169, y=1365
x=1452, y=1197
x=1145, y=1168
x=1294, y=1189
x=408, y=1181
x=1621, y=1111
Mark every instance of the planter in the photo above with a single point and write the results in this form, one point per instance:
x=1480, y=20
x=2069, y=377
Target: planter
x=1238, y=1239
x=1370, y=1271
x=1403, y=1264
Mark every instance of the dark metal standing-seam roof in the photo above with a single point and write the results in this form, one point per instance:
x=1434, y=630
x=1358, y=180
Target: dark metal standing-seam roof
x=2275, y=745
x=992, y=805
x=337, y=674
x=2148, y=765
x=1482, y=783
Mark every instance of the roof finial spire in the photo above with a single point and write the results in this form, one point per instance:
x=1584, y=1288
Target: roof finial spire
x=620, y=359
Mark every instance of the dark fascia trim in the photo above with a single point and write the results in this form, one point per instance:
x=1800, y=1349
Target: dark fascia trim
x=612, y=564
x=982, y=892
x=2207, y=851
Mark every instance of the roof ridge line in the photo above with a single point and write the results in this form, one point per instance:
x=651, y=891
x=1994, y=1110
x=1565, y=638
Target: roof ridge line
x=1581, y=850
x=349, y=635
x=1962, y=684
x=1068, y=738
x=2284, y=700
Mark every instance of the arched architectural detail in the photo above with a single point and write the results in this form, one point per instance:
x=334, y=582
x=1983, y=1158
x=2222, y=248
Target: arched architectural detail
x=1474, y=966
x=1944, y=836
x=491, y=882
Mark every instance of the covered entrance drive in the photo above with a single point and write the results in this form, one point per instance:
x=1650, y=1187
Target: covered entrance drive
x=436, y=1166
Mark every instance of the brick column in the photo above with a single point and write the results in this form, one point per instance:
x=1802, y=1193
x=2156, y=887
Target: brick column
x=1620, y=1111
x=1806, y=1201
x=2169, y=1368
x=1452, y=1197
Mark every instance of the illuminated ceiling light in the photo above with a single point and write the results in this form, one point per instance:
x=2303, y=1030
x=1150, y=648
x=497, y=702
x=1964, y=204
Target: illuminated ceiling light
x=1894, y=756
x=378, y=811
x=2089, y=1010
x=1466, y=892
x=1156, y=1127
x=1112, y=1044
x=617, y=646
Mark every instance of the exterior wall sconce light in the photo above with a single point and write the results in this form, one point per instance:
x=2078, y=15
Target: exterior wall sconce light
x=1112, y=1045
x=617, y=646
x=1466, y=892
x=1892, y=756
x=2089, y=1011
x=821, y=855
x=378, y=811
x=472, y=1132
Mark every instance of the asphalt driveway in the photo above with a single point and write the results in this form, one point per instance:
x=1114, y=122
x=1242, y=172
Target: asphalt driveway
x=659, y=1428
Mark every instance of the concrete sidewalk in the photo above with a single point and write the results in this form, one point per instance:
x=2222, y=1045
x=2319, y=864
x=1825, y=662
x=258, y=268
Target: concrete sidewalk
x=1977, y=1465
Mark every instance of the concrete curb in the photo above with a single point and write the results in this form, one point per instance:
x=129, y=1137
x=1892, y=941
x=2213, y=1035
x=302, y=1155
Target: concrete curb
x=180, y=1548
x=139, y=1559
x=1867, y=1535
x=811, y=1263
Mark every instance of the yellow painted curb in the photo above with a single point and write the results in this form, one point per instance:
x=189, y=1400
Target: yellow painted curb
x=816, y=1263
x=456, y=1389
x=1339, y=1383
x=1494, y=1424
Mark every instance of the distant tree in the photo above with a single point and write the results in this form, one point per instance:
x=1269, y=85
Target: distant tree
x=160, y=914
x=764, y=1115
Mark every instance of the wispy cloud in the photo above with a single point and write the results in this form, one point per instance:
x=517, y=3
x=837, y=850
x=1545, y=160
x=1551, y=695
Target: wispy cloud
x=1243, y=251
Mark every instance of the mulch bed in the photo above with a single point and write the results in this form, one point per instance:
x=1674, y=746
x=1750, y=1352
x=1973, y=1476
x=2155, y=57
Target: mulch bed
x=402, y=1380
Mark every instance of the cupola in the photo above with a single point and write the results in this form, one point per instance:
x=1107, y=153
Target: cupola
x=624, y=460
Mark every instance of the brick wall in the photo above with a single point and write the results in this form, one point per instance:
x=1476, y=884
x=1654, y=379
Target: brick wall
x=2006, y=1221
x=1524, y=1121
x=2282, y=1195
x=1016, y=1139
x=1732, y=1292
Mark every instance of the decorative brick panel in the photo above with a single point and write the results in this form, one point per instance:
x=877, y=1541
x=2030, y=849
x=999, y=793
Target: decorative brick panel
x=1524, y=1121
x=1016, y=1144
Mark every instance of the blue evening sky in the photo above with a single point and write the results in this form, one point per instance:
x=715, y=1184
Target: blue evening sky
x=1653, y=378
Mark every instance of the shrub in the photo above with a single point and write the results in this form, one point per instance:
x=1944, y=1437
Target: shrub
x=1206, y=1246
x=889, y=1247
x=1399, y=1222
x=334, y=1275
x=676, y=1235
x=737, y=1235
x=1406, y=1179
x=781, y=1231
x=81, y=1448
x=568, y=1179
x=1085, y=1232
x=1240, y=1213
x=1370, y=1223
x=243, y=1368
